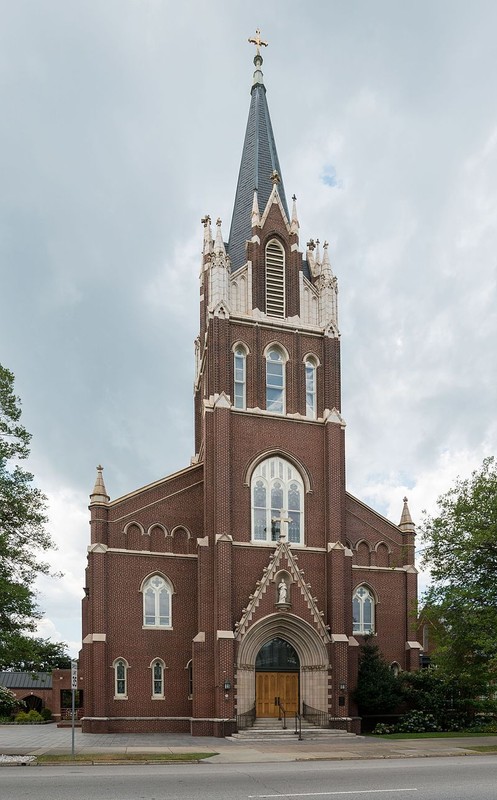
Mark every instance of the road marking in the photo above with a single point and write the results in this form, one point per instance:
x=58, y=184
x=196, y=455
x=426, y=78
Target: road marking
x=328, y=794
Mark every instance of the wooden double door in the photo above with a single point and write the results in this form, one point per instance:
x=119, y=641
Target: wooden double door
x=272, y=685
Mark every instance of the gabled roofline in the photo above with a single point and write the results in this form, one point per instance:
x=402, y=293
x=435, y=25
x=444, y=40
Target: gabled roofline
x=152, y=485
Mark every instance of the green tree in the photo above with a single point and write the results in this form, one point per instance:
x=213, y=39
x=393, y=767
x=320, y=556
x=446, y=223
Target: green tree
x=23, y=536
x=378, y=690
x=461, y=553
x=29, y=654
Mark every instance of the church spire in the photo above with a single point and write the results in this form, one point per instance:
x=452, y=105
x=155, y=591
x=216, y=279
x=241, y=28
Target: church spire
x=259, y=161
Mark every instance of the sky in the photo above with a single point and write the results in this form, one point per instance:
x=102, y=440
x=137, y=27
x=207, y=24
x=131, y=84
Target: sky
x=122, y=124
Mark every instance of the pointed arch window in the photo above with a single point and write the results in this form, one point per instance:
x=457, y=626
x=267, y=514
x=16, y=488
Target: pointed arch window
x=363, y=610
x=275, y=381
x=275, y=279
x=310, y=387
x=157, y=666
x=157, y=595
x=120, y=666
x=240, y=377
x=277, y=490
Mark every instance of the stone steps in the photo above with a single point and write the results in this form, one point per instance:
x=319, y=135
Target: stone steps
x=271, y=730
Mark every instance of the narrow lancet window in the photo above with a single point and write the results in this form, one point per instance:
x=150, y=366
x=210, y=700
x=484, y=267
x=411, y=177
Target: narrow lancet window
x=310, y=389
x=275, y=381
x=240, y=377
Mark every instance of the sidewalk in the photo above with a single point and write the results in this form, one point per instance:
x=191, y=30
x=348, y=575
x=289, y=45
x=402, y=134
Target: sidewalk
x=44, y=739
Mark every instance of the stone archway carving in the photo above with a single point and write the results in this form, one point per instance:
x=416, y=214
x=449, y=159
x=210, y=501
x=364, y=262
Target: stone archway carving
x=311, y=650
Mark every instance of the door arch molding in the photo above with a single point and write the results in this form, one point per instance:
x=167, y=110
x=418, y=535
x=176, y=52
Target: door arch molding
x=310, y=648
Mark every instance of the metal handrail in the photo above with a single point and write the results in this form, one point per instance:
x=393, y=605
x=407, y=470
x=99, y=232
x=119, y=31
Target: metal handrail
x=314, y=715
x=298, y=725
x=247, y=719
x=281, y=709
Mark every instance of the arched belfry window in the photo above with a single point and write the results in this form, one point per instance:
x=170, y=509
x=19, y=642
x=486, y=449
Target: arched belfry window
x=310, y=387
x=157, y=594
x=277, y=492
x=275, y=279
x=240, y=377
x=275, y=380
x=363, y=607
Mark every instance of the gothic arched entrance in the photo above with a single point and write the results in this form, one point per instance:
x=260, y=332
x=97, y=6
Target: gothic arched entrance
x=306, y=643
x=277, y=669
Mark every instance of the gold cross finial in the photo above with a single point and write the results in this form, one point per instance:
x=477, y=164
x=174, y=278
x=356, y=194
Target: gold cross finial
x=258, y=41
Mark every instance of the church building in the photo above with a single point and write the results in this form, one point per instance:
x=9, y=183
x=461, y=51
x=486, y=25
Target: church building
x=245, y=583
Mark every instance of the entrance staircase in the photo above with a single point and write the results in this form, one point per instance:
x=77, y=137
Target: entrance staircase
x=270, y=729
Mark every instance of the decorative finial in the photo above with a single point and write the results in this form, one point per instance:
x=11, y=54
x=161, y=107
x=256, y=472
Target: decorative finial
x=219, y=222
x=99, y=494
x=205, y=220
x=257, y=41
x=294, y=197
x=275, y=177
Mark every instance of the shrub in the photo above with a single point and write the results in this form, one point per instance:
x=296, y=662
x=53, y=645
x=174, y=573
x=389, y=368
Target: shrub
x=382, y=729
x=46, y=714
x=8, y=702
x=30, y=716
x=416, y=722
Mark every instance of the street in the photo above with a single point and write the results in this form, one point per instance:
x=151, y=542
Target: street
x=465, y=778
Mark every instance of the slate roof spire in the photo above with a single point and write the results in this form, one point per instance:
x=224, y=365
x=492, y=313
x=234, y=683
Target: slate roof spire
x=259, y=161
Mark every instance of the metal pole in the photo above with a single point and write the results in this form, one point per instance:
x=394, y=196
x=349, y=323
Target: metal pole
x=74, y=685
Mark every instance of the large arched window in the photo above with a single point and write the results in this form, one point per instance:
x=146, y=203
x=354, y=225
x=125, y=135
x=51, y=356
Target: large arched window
x=240, y=377
x=275, y=381
x=310, y=387
x=157, y=595
x=275, y=279
x=277, y=493
x=363, y=610
x=120, y=679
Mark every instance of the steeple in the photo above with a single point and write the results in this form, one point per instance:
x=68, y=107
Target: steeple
x=259, y=162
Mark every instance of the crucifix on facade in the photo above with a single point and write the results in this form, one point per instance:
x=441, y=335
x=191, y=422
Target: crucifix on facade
x=283, y=520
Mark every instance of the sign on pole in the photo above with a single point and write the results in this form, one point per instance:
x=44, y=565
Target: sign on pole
x=74, y=686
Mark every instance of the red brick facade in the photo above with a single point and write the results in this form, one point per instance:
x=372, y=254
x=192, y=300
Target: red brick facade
x=195, y=530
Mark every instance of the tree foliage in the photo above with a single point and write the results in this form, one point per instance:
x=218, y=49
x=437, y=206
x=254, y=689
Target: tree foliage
x=8, y=702
x=29, y=654
x=461, y=553
x=23, y=536
x=378, y=690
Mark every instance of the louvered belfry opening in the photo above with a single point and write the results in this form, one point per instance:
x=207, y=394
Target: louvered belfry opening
x=275, y=279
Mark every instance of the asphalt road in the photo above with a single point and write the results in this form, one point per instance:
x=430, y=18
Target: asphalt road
x=465, y=778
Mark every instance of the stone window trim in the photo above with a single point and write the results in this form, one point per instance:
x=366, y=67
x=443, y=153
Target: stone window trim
x=277, y=490
x=367, y=601
x=158, y=678
x=157, y=591
x=276, y=357
x=311, y=364
x=189, y=667
x=120, y=668
x=295, y=462
x=240, y=352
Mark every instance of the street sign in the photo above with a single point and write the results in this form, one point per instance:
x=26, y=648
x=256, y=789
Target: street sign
x=74, y=674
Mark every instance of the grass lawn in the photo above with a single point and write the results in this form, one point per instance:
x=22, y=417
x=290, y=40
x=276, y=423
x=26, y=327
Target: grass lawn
x=97, y=758
x=435, y=735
